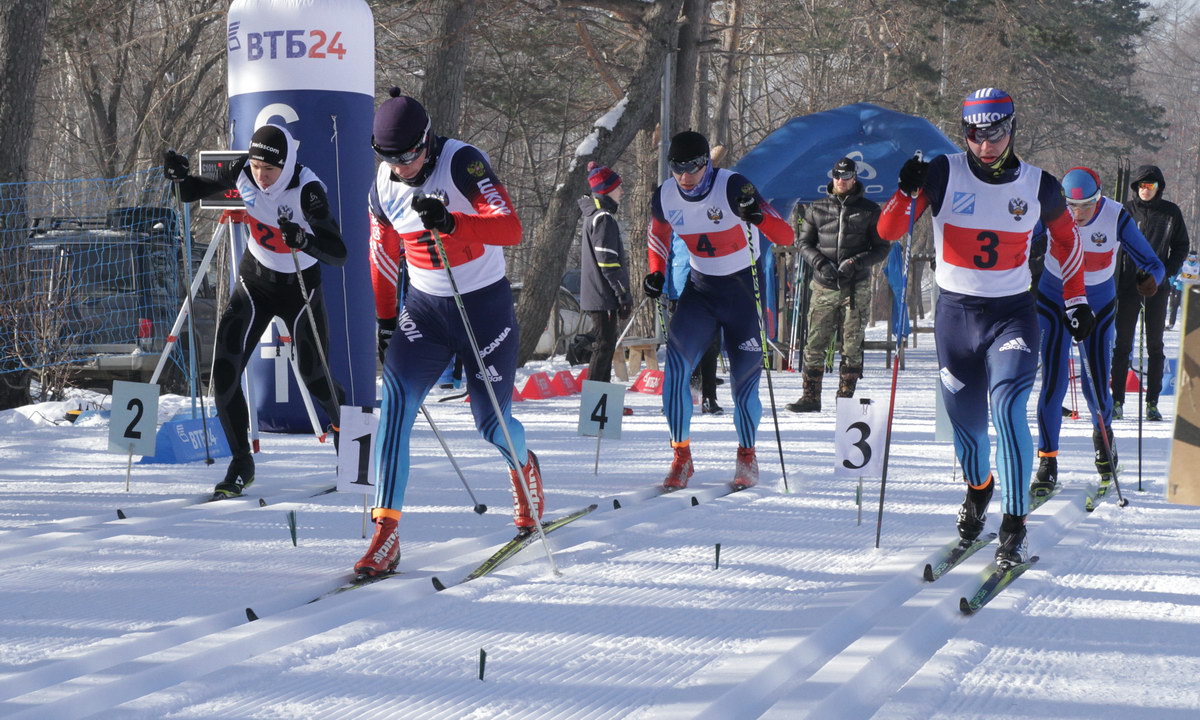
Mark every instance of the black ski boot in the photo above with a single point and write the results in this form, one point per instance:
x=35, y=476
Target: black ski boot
x=709, y=406
x=973, y=514
x=1103, y=466
x=1047, y=477
x=1014, y=549
x=238, y=477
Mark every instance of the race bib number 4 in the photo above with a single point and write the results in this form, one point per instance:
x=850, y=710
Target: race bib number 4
x=716, y=244
x=984, y=249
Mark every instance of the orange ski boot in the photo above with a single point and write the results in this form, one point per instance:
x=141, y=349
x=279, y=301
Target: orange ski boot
x=681, y=466
x=745, y=474
x=532, y=476
x=383, y=555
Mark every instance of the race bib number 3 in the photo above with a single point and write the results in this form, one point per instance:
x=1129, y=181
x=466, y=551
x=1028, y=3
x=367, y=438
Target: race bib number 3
x=984, y=249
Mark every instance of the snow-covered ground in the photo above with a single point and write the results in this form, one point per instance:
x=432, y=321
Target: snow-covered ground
x=145, y=617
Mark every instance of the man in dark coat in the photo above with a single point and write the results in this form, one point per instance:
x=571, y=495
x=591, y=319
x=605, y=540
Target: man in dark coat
x=603, y=267
x=840, y=242
x=1162, y=224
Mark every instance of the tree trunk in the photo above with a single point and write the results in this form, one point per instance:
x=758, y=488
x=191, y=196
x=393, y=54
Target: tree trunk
x=687, y=65
x=447, y=66
x=726, y=80
x=556, y=232
x=22, y=30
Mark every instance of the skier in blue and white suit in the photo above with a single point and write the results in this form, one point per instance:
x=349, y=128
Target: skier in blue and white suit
x=1104, y=227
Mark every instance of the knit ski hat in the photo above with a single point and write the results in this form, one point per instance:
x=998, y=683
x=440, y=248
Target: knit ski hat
x=687, y=145
x=269, y=145
x=602, y=179
x=400, y=123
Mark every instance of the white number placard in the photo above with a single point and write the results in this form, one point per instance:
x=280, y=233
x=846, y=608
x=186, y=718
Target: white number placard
x=134, y=422
x=601, y=407
x=859, y=436
x=356, y=450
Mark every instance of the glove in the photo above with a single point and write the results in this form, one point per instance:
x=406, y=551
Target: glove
x=1080, y=321
x=624, y=309
x=827, y=273
x=846, y=270
x=434, y=214
x=386, y=328
x=653, y=284
x=175, y=166
x=749, y=209
x=293, y=235
x=1146, y=285
x=912, y=175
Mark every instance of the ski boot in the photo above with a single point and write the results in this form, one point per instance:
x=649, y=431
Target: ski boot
x=1047, y=475
x=848, y=380
x=1118, y=412
x=1103, y=466
x=810, y=401
x=1014, y=547
x=973, y=514
x=383, y=555
x=1152, y=413
x=710, y=407
x=681, y=466
x=238, y=477
x=532, y=475
x=746, y=473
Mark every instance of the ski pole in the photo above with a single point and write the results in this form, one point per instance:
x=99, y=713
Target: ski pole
x=193, y=360
x=1093, y=382
x=487, y=385
x=766, y=353
x=479, y=507
x=628, y=325
x=887, y=439
x=312, y=320
x=1141, y=379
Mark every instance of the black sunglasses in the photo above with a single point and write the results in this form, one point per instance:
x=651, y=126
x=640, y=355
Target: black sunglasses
x=992, y=133
x=685, y=167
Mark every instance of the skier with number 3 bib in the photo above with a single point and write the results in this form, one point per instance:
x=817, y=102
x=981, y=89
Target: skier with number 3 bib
x=288, y=213
x=429, y=184
x=985, y=204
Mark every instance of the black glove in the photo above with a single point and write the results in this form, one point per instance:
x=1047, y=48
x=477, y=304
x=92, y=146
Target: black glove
x=912, y=175
x=434, y=214
x=827, y=273
x=293, y=235
x=624, y=309
x=386, y=328
x=749, y=209
x=653, y=284
x=175, y=166
x=847, y=270
x=1146, y=284
x=1080, y=321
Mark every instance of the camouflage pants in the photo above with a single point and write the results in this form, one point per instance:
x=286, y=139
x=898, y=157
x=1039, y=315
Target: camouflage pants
x=848, y=307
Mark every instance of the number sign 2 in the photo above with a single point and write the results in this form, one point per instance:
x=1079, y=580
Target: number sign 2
x=601, y=407
x=858, y=442
x=356, y=453
x=133, y=425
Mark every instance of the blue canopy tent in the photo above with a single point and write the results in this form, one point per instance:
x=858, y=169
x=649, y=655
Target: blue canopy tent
x=793, y=164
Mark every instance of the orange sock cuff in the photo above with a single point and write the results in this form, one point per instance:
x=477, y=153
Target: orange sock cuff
x=983, y=485
x=1048, y=453
x=377, y=513
x=681, y=443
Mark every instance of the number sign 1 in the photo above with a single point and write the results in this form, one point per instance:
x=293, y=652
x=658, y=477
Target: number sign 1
x=601, y=407
x=858, y=442
x=133, y=425
x=356, y=450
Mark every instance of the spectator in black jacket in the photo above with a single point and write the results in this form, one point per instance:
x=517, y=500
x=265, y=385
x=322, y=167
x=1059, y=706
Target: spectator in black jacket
x=1162, y=224
x=603, y=267
x=840, y=242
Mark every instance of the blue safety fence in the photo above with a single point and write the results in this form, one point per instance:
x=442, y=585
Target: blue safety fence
x=92, y=278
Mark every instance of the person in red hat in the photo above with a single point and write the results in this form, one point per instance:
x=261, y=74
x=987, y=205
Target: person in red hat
x=603, y=267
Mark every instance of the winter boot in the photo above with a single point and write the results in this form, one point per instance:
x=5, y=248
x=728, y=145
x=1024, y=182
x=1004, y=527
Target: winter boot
x=848, y=380
x=710, y=407
x=384, y=553
x=681, y=466
x=1013, y=549
x=532, y=475
x=1152, y=413
x=1047, y=475
x=973, y=514
x=238, y=477
x=1103, y=466
x=746, y=473
x=810, y=401
x=1118, y=411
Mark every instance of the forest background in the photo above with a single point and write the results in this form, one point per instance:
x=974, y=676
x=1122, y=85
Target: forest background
x=98, y=88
